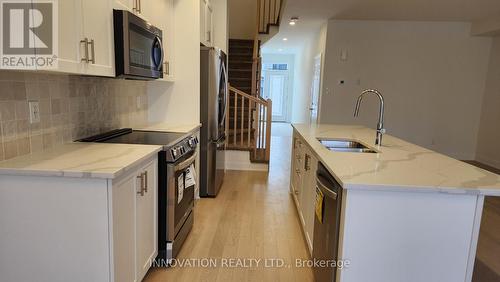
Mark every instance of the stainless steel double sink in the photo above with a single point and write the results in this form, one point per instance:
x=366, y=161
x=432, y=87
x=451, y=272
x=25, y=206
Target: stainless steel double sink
x=345, y=145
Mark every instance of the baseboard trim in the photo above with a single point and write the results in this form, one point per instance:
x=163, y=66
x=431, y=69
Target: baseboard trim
x=488, y=161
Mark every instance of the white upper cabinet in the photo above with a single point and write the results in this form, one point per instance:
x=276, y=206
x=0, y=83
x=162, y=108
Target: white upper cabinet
x=70, y=35
x=206, y=23
x=85, y=37
x=160, y=14
x=98, y=30
x=125, y=5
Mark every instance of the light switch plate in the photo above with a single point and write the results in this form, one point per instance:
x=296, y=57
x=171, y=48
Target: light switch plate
x=34, y=111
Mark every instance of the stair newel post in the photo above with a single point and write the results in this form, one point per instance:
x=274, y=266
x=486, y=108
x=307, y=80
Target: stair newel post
x=242, y=120
x=227, y=114
x=268, y=128
x=235, y=120
x=249, y=122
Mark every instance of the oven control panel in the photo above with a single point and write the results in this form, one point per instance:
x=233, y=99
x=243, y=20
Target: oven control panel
x=182, y=148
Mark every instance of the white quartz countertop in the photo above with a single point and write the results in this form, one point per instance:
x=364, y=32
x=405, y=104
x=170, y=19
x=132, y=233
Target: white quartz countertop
x=399, y=165
x=82, y=160
x=170, y=127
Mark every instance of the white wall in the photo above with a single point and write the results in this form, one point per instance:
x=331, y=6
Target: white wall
x=304, y=66
x=242, y=19
x=179, y=102
x=488, y=150
x=431, y=74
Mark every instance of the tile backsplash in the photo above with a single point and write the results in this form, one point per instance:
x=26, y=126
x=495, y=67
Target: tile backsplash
x=71, y=107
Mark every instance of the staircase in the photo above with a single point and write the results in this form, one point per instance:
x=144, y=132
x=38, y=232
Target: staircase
x=240, y=64
x=249, y=115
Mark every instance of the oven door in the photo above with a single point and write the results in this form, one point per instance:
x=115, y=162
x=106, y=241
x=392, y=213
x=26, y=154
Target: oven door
x=180, y=198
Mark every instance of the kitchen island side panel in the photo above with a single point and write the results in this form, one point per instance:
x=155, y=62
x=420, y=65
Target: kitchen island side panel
x=407, y=236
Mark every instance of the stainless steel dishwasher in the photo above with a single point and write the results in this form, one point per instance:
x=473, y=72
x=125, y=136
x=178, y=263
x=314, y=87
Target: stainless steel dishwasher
x=326, y=224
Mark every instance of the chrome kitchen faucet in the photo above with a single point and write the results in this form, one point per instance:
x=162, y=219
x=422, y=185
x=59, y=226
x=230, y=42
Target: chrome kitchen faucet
x=380, y=124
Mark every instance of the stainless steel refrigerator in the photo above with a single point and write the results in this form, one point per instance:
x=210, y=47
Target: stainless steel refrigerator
x=213, y=98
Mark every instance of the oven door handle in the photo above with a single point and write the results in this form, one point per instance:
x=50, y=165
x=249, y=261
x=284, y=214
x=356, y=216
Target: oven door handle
x=185, y=164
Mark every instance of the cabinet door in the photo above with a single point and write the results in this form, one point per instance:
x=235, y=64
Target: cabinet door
x=309, y=199
x=128, y=5
x=70, y=34
x=203, y=23
x=209, y=25
x=146, y=220
x=98, y=26
x=168, y=42
x=160, y=14
x=124, y=229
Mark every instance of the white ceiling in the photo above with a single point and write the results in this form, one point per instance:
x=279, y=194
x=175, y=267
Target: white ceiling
x=313, y=13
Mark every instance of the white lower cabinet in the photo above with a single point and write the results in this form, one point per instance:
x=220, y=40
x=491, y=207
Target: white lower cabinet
x=135, y=223
x=303, y=186
x=146, y=221
x=89, y=229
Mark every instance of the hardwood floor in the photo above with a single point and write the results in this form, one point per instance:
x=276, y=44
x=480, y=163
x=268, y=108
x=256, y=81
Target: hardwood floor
x=253, y=217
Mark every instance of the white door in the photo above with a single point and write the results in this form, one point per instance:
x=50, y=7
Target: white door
x=276, y=89
x=146, y=228
x=315, y=90
x=98, y=26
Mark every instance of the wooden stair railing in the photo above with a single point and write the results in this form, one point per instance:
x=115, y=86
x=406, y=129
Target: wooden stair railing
x=249, y=124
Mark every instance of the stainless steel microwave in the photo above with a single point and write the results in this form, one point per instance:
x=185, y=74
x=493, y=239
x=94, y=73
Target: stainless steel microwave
x=138, y=47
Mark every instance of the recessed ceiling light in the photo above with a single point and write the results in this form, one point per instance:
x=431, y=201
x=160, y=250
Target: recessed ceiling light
x=285, y=39
x=291, y=23
x=293, y=20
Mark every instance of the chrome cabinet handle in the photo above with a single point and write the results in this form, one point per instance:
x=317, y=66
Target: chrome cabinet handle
x=92, y=50
x=139, y=6
x=85, y=42
x=209, y=36
x=135, y=6
x=146, y=181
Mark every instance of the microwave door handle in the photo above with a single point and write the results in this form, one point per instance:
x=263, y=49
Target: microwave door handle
x=158, y=39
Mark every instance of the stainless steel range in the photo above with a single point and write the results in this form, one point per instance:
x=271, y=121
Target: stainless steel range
x=176, y=183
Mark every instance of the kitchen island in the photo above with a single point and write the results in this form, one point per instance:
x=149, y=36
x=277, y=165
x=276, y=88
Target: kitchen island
x=407, y=212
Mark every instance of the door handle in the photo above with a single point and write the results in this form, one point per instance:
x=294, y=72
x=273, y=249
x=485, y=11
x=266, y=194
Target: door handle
x=141, y=191
x=85, y=42
x=146, y=181
x=135, y=6
x=92, y=51
x=325, y=189
x=140, y=8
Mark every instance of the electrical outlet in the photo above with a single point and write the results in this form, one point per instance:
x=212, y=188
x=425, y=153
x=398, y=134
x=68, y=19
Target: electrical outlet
x=34, y=111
